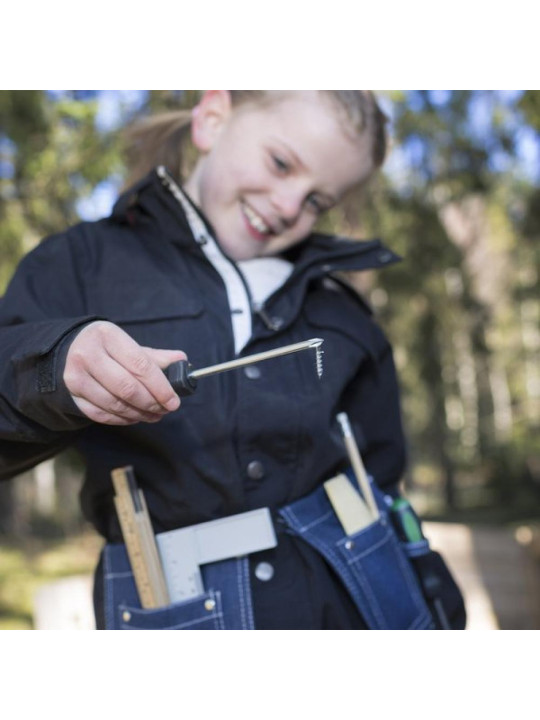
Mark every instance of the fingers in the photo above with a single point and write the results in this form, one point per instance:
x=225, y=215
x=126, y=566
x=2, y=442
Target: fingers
x=107, y=408
x=100, y=415
x=134, y=379
x=114, y=380
x=141, y=365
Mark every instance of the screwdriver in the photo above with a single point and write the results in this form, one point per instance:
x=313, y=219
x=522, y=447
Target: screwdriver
x=184, y=379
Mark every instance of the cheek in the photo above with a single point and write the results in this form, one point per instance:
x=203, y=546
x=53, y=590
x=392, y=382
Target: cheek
x=293, y=236
x=305, y=225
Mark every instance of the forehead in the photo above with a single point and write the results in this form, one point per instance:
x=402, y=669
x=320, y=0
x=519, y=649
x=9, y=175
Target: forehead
x=309, y=125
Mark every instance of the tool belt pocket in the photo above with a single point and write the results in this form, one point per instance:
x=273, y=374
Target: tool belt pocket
x=214, y=609
x=204, y=613
x=391, y=597
x=371, y=563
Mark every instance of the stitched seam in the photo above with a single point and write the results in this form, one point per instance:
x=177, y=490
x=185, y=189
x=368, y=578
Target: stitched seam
x=249, y=599
x=108, y=595
x=112, y=575
x=219, y=617
x=368, y=551
x=365, y=587
x=304, y=528
x=421, y=622
x=216, y=617
x=195, y=621
x=240, y=588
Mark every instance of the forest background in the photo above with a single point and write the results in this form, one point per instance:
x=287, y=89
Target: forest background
x=458, y=199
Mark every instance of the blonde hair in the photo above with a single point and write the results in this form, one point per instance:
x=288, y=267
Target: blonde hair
x=164, y=139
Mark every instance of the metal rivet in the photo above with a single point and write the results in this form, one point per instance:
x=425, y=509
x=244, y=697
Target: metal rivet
x=255, y=470
x=126, y=616
x=209, y=605
x=264, y=571
x=349, y=545
x=252, y=372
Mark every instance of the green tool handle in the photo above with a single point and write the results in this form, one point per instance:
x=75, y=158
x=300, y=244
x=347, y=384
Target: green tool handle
x=406, y=521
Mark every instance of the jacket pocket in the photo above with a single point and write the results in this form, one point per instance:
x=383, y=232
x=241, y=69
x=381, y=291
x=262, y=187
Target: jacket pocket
x=157, y=313
x=201, y=613
x=176, y=327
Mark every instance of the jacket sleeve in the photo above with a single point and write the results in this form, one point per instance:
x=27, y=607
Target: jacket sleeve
x=40, y=313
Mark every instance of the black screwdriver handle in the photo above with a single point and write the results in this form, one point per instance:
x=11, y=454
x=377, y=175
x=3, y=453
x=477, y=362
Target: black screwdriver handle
x=178, y=375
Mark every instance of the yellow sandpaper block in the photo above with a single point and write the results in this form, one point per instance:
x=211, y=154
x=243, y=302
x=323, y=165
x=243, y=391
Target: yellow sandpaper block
x=350, y=508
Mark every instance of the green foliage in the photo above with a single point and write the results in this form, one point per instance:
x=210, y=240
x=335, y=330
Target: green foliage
x=25, y=567
x=460, y=307
x=58, y=157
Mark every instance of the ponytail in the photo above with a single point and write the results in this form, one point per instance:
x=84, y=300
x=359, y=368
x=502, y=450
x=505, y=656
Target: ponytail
x=157, y=140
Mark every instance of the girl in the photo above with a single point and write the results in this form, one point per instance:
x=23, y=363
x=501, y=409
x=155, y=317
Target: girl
x=225, y=265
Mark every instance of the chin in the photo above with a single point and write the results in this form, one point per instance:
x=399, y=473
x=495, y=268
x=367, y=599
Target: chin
x=238, y=254
x=275, y=247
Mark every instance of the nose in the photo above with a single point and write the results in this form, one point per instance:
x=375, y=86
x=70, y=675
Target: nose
x=287, y=203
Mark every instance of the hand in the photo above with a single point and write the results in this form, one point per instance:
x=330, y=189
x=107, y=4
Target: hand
x=114, y=380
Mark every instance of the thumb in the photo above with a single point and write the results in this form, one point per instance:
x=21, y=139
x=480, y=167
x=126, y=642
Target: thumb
x=164, y=358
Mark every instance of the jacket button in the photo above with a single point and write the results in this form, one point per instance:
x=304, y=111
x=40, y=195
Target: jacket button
x=252, y=372
x=264, y=571
x=255, y=470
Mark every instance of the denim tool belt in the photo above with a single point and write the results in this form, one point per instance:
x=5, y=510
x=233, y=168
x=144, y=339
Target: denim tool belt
x=207, y=569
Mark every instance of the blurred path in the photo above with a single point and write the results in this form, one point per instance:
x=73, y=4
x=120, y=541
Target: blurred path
x=499, y=577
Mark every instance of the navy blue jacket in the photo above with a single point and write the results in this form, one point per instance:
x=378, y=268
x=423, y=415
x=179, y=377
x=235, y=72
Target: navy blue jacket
x=243, y=440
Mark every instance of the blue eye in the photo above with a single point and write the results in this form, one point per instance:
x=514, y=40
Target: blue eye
x=280, y=164
x=315, y=204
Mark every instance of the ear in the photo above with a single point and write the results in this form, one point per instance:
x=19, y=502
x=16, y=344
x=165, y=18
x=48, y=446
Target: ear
x=209, y=117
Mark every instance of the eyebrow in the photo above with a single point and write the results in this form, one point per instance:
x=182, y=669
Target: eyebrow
x=289, y=150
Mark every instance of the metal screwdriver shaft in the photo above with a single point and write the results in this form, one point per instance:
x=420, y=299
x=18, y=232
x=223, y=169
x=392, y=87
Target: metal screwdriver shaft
x=184, y=379
x=312, y=344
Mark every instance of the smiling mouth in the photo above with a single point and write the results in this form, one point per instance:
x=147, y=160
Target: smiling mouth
x=255, y=221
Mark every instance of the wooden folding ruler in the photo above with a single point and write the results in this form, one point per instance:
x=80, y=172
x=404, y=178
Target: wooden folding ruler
x=139, y=539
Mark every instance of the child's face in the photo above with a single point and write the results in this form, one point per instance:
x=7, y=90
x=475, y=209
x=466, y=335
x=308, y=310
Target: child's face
x=267, y=171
